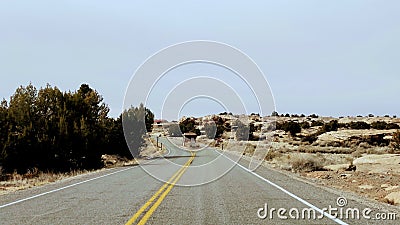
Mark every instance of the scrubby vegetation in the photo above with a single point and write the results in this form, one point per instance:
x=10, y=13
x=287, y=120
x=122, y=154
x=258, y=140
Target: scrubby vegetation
x=189, y=125
x=62, y=131
x=396, y=141
x=359, y=125
x=306, y=163
x=317, y=123
x=289, y=126
x=382, y=125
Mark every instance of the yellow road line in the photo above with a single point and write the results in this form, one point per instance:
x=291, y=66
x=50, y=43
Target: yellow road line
x=171, y=182
x=148, y=203
x=158, y=202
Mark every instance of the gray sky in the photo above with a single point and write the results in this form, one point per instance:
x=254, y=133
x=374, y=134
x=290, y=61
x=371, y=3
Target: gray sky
x=325, y=57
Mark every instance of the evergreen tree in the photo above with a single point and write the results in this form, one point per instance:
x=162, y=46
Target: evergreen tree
x=134, y=128
x=51, y=130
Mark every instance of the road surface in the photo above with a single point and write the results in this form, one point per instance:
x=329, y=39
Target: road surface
x=129, y=195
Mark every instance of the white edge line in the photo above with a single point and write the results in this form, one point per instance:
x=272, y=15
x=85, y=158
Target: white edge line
x=338, y=221
x=59, y=189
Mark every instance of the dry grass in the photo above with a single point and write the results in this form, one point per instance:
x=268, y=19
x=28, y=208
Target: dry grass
x=306, y=162
x=331, y=150
x=249, y=149
x=272, y=154
x=150, y=150
x=14, y=181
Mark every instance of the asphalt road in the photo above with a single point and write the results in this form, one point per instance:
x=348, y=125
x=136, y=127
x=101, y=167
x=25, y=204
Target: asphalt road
x=119, y=195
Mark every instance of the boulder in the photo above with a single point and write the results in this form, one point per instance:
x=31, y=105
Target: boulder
x=394, y=198
x=354, y=136
x=374, y=163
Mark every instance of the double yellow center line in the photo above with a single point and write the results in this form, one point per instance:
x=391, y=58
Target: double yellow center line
x=160, y=195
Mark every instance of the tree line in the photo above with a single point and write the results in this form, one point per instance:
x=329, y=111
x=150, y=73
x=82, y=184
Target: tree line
x=59, y=131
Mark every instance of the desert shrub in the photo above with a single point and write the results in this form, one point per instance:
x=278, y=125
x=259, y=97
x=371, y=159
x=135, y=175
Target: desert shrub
x=376, y=140
x=272, y=154
x=305, y=125
x=309, y=138
x=351, y=143
x=292, y=127
x=357, y=153
x=336, y=144
x=392, y=126
x=331, y=126
x=314, y=116
x=316, y=123
x=395, y=142
x=249, y=149
x=306, y=163
x=189, y=125
x=364, y=145
x=330, y=144
x=359, y=125
x=326, y=127
x=382, y=125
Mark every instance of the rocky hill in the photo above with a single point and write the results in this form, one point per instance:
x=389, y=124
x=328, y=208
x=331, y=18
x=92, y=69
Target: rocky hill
x=357, y=154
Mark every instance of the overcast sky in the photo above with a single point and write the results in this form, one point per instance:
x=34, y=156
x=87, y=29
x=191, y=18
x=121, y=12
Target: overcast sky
x=326, y=57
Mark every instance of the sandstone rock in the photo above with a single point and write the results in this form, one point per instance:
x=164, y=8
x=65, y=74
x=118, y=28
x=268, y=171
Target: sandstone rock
x=345, y=135
x=394, y=197
x=338, y=167
x=382, y=158
x=366, y=187
x=345, y=175
x=383, y=164
x=391, y=188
